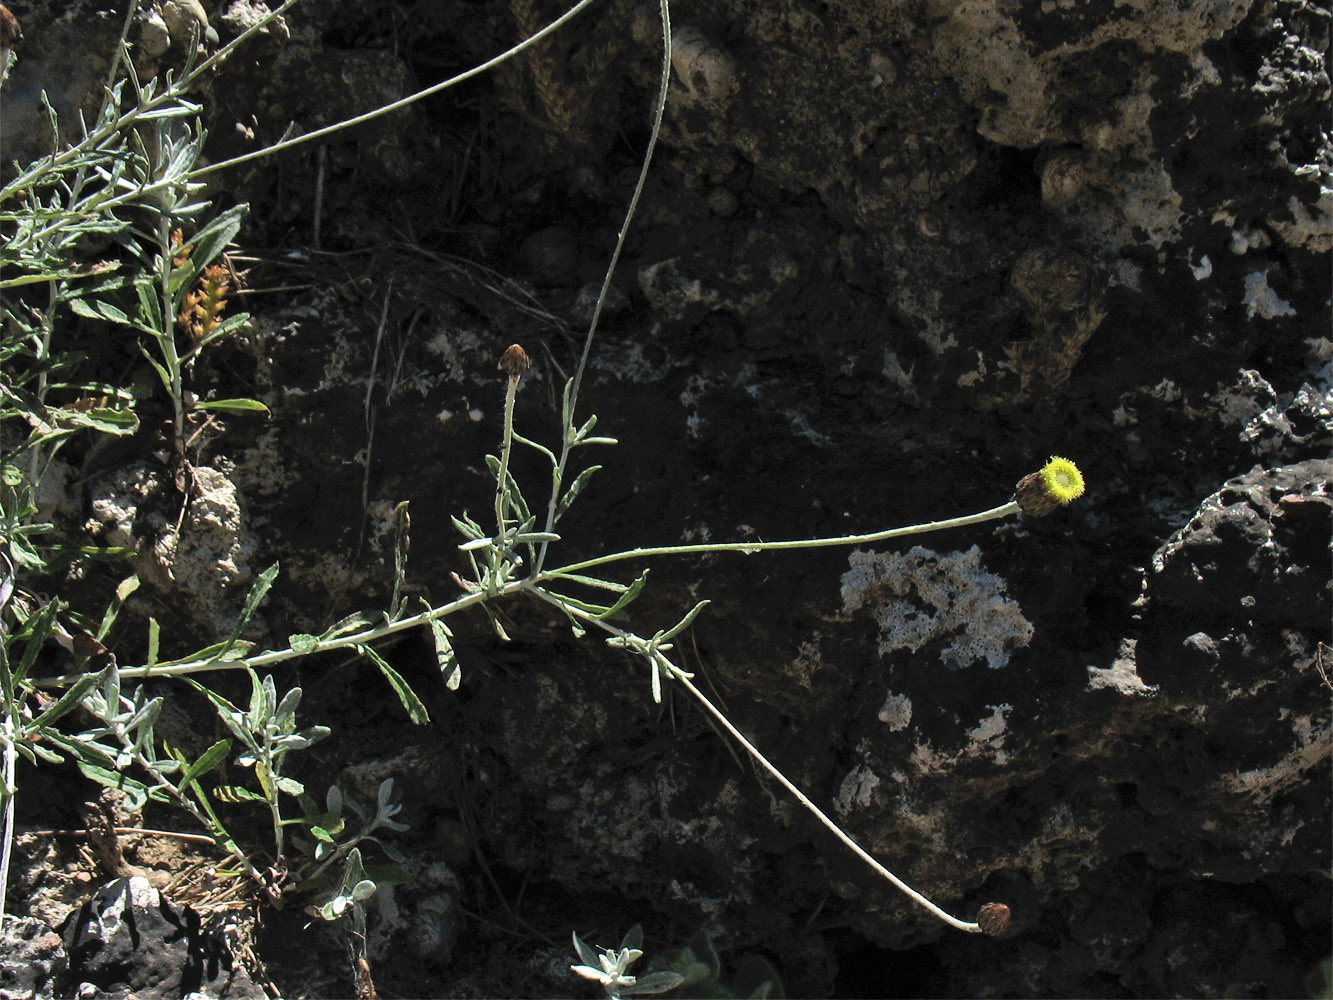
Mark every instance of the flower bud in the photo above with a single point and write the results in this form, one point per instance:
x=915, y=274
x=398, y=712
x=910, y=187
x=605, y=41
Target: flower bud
x=993, y=918
x=1058, y=482
x=515, y=361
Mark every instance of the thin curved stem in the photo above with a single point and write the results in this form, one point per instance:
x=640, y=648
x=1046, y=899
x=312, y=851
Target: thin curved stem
x=506, y=442
x=567, y=432
x=396, y=105
x=819, y=814
x=1004, y=510
x=661, y=663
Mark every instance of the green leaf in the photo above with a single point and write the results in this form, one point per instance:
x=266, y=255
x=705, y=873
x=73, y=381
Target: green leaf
x=67, y=701
x=302, y=643
x=124, y=589
x=233, y=406
x=586, y=429
x=586, y=955
x=228, y=325
x=136, y=793
x=683, y=624
x=84, y=750
x=97, y=309
x=416, y=711
x=290, y=786
x=590, y=581
x=596, y=610
x=534, y=537
x=236, y=793
x=106, y=419
x=533, y=444
x=521, y=511
x=252, y=600
x=162, y=373
x=150, y=309
x=467, y=527
x=40, y=628
x=213, y=238
x=575, y=488
x=450, y=669
x=352, y=623
x=626, y=597
x=208, y=760
x=402, y=541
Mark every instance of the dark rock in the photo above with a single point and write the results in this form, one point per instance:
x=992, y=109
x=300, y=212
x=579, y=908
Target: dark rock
x=130, y=940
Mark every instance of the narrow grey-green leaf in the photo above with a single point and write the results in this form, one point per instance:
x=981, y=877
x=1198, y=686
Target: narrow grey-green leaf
x=416, y=711
x=252, y=601
x=208, y=760
x=356, y=620
x=575, y=488
x=445, y=655
x=233, y=406
x=302, y=643
x=467, y=527
x=626, y=597
x=596, y=610
x=683, y=624
x=591, y=581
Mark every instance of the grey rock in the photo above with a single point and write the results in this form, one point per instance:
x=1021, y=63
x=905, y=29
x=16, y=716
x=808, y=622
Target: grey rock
x=32, y=958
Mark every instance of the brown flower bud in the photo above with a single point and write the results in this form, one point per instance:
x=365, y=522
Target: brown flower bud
x=515, y=361
x=1056, y=483
x=10, y=32
x=993, y=918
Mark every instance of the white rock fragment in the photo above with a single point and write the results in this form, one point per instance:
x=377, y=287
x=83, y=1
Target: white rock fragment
x=921, y=596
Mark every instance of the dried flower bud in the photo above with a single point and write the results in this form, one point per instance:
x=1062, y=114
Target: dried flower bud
x=515, y=361
x=10, y=32
x=1058, y=482
x=993, y=918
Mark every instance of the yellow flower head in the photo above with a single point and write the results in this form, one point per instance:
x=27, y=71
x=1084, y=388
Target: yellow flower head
x=1058, y=482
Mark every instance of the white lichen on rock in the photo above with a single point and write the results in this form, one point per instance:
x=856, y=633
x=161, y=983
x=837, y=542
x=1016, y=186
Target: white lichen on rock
x=1261, y=301
x=921, y=597
x=896, y=712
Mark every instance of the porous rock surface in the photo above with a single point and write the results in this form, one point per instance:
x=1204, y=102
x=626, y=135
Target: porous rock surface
x=891, y=257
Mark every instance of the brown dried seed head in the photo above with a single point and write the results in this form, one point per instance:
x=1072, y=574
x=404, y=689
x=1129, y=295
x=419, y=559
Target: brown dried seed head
x=10, y=32
x=1033, y=497
x=515, y=361
x=993, y=918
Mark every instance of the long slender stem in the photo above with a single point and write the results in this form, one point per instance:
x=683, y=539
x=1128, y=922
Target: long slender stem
x=350, y=641
x=506, y=442
x=567, y=432
x=1004, y=510
x=396, y=105
x=166, y=337
x=9, y=791
x=819, y=814
x=660, y=662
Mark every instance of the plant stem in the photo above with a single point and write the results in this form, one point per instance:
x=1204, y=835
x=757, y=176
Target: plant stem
x=1004, y=510
x=350, y=641
x=660, y=662
x=567, y=432
x=8, y=792
x=388, y=108
x=502, y=477
x=857, y=849
x=166, y=337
